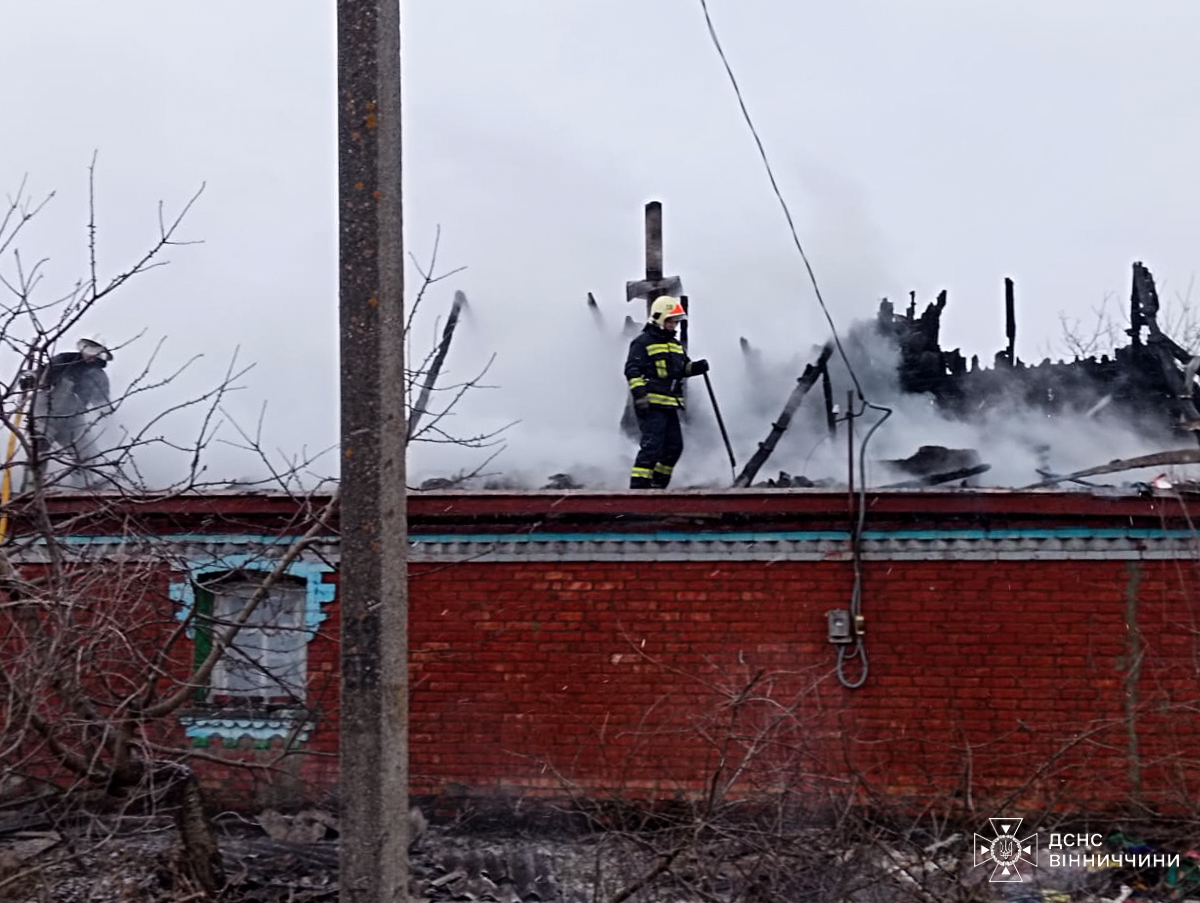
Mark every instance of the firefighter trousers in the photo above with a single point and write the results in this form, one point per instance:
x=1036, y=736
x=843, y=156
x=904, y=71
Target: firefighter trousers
x=662, y=444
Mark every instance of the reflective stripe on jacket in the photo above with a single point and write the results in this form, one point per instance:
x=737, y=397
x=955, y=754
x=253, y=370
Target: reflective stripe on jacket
x=656, y=367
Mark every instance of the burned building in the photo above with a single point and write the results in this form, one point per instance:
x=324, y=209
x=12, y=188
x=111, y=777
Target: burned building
x=1145, y=386
x=952, y=414
x=1146, y=382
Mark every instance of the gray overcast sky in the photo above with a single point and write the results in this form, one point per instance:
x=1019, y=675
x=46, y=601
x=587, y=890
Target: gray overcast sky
x=921, y=145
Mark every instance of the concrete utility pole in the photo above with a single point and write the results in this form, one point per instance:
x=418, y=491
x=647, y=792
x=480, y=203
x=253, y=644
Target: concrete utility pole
x=374, y=529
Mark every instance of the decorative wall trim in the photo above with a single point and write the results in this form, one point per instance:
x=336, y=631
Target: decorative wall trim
x=878, y=545
x=207, y=553
x=317, y=591
x=260, y=729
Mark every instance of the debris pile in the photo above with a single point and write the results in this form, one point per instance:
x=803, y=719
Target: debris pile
x=1148, y=383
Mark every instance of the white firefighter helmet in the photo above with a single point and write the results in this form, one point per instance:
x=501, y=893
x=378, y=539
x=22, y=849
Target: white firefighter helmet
x=94, y=346
x=666, y=308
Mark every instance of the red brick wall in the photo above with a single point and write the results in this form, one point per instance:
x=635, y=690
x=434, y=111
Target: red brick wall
x=82, y=648
x=997, y=677
x=1038, y=679
x=110, y=630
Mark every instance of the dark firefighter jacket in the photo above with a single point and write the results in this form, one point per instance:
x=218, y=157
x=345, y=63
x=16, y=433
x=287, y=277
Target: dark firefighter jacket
x=86, y=377
x=656, y=367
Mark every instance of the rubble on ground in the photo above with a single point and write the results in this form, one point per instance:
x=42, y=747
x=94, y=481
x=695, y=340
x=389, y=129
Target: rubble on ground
x=276, y=857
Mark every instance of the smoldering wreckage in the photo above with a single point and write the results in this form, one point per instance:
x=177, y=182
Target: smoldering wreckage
x=1146, y=386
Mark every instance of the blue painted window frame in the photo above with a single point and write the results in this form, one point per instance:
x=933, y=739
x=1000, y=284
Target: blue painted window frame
x=201, y=727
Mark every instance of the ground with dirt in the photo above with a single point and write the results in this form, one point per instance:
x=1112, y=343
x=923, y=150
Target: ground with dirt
x=294, y=858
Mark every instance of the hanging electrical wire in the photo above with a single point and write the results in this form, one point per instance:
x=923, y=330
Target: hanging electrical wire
x=856, y=534
x=857, y=524
x=787, y=213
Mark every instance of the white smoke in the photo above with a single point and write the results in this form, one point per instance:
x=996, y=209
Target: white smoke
x=564, y=392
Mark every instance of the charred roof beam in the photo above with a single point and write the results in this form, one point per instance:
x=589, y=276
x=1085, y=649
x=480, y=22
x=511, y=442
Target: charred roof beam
x=812, y=372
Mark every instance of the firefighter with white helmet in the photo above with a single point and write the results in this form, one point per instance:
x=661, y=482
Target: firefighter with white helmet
x=656, y=368
x=70, y=396
x=93, y=347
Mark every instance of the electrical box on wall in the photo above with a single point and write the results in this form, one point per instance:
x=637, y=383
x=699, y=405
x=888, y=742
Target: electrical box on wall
x=840, y=626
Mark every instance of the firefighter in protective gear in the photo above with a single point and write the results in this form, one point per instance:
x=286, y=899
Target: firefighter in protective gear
x=656, y=368
x=70, y=401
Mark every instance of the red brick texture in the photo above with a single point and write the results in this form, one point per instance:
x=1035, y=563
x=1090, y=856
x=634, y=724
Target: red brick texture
x=1054, y=682
x=1048, y=682
x=988, y=678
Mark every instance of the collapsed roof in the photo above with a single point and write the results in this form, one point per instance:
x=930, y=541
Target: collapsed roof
x=1146, y=381
x=1147, y=386
x=1141, y=402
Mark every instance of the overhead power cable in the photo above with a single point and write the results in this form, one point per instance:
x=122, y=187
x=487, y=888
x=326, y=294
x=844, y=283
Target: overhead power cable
x=857, y=526
x=762, y=152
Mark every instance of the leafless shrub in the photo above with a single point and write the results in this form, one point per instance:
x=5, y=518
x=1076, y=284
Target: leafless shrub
x=1101, y=335
x=431, y=400
x=115, y=638
x=785, y=808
